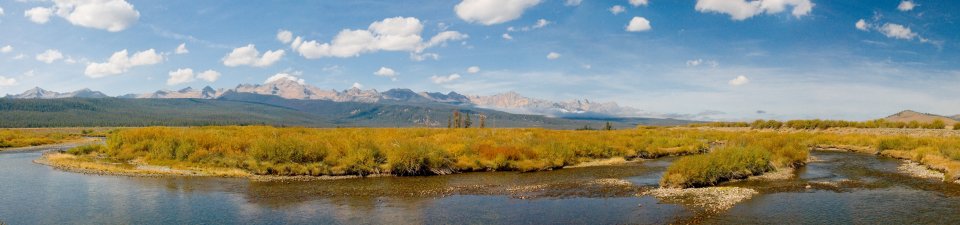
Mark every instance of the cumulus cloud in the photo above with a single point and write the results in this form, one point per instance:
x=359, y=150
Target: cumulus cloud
x=490, y=12
x=862, y=25
x=182, y=49
x=285, y=36
x=906, y=5
x=695, y=62
x=250, y=56
x=6, y=49
x=743, y=9
x=636, y=3
x=1, y=11
x=39, y=15
x=110, y=15
x=617, y=9
x=444, y=79
x=49, y=56
x=553, y=55
x=356, y=85
x=5, y=81
x=897, y=31
x=121, y=62
x=506, y=36
x=180, y=76
x=638, y=24
x=282, y=76
x=740, y=80
x=209, y=75
x=391, y=34
x=386, y=72
x=572, y=2
x=186, y=75
x=473, y=69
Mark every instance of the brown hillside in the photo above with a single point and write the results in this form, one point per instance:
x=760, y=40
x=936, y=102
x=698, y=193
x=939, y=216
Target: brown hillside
x=909, y=115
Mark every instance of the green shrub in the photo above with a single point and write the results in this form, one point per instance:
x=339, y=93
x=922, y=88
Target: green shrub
x=720, y=165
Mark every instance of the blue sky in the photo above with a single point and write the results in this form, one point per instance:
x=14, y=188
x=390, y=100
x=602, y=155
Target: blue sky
x=726, y=59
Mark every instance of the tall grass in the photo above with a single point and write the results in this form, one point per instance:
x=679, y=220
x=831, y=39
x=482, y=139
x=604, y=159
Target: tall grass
x=23, y=138
x=408, y=151
x=826, y=124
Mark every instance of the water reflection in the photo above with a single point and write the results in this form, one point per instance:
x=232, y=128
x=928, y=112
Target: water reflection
x=845, y=188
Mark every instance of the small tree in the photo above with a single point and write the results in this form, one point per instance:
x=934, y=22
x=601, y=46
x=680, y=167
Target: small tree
x=608, y=126
x=467, y=122
x=456, y=118
x=483, y=120
x=449, y=122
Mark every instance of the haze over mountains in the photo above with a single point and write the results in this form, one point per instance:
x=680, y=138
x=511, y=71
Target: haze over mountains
x=291, y=88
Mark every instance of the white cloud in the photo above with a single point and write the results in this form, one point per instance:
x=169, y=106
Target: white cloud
x=250, y=56
x=743, y=9
x=20, y=56
x=506, y=36
x=49, y=56
x=473, y=69
x=572, y=2
x=209, y=75
x=180, y=76
x=38, y=15
x=1, y=11
x=698, y=62
x=541, y=23
x=391, y=34
x=553, y=55
x=424, y=56
x=110, y=15
x=638, y=24
x=182, y=49
x=444, y=79
x=897, y=31
x=490, y=12
x=120, y=62
x=906, y=5
x=285, y=36
x=6, y=49
x=4, y=81
x=356, y=85
x=280, y=76
x=862, y=25
x=386, y=72
x=740, y=80
x=617, y=9
x=29, y=73
x=636, y=3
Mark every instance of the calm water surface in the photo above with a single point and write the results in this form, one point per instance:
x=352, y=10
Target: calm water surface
x=846, y=189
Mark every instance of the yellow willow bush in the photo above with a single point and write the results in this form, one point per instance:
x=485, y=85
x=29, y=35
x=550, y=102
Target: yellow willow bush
x=400, y=151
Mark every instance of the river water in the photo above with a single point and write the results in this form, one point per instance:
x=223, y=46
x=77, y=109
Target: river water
x=846, y=188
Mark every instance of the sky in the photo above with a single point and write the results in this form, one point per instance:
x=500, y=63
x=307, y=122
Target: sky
x=715, y=59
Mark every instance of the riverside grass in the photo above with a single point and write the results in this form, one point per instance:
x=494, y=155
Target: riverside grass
x=263, y=150
x=13, y=138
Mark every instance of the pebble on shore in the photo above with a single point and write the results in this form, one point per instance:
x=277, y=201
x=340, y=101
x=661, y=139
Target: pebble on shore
x=915, y=169
x=710, y=198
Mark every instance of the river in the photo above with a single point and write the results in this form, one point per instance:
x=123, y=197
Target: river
x=845, y=188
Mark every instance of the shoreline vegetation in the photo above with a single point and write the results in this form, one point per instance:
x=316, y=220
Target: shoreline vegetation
x=24, y=138
x=711, y=155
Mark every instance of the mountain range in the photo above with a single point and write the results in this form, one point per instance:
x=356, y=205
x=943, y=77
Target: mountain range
x=511, y=102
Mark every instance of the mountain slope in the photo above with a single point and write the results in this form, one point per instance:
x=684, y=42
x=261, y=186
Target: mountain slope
x=40, y=93
x=910, y=115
